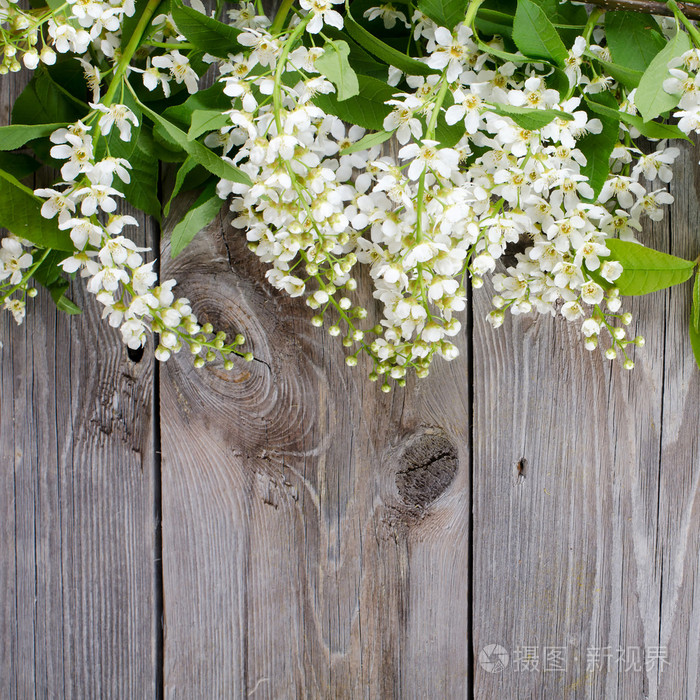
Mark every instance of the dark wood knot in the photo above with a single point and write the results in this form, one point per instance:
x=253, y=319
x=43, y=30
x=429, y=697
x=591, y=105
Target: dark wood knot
x=428, y=466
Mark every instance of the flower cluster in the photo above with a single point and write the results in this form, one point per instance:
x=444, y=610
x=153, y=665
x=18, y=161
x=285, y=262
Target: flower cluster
x=488, y=173
x=113, y=264
x=430, y=218
x=16, y=260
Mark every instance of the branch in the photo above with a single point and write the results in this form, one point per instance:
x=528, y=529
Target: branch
x=651, y=7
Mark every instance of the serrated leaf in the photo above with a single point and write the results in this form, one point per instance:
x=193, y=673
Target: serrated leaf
x=16, y=135
x=205, y=120
x=205, y=157
x=633, y=38
x=647, y=270
x=535, y=35
x=529, y=118
x=650, y=129
x=20, y=214
x=445, y=13
x=368, y=109
x=202, y=213
x=335, y=66
x=367, y=141
x=386, y=53
x=206, y=33
x=651, y=99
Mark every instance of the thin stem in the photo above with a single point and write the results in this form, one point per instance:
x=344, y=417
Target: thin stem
x=27, y=275
x=281, y=15
x=130, y=50
x=591, y=23
x=652, y=7
x=692, y=30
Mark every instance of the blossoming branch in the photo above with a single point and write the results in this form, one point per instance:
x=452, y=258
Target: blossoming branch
x=514, y=128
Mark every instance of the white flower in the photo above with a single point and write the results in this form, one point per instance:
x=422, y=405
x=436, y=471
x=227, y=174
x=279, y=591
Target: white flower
x=402, y=119
x=97, y=195
x=323, y=13
x=592, y=293
x=180, y=69
x=388, y=14
x=118, y=115
x=79, y=155
x=57, y=203
x=611, y=270
x=443, y=161
x=13, y=260
x=573, y=60
x=453, y=52
x=17, y=307
x=590, y=327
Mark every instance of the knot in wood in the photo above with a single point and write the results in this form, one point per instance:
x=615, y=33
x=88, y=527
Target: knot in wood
x=428, y=465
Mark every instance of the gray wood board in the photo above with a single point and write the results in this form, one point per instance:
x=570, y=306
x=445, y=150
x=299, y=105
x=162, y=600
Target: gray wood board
x=296, y=562
x=77, y=604
x=317, y=534
x=593, y=551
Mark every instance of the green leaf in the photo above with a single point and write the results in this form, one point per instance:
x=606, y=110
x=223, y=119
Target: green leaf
x=189, y=164
x=17, y=135
x=212, y=98
x=48, y=274
x=695, y=308
x=205, y=120
x=647, y=270
x=368, y=109
x=535, y=35
x=202, y=213
x=18, y=164
x=142, y=190
x=44, y=101
x=633, y=38
x=694, y=339
x=597, y=149
x=335, y=66
x=569, y=20
x=20, y=214
x=651, y=99
x=204, y=32
x=625, y=76
x=205, y=157
x=445, y=13
x=652, y=130
x=386, y=53
x=368, y=141
x=529, y=118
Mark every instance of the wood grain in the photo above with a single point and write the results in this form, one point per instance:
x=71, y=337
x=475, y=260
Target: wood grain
x=76, y=504
x=595, y=548
x=293, y=567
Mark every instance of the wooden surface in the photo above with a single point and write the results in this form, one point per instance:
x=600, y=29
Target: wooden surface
x=321, y=539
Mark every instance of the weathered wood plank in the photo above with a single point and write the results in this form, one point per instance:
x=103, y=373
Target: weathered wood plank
x=298, y=562
x=594, y=549
x=76, y=504
x=678, y=557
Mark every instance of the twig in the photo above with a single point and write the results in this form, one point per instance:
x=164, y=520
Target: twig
x=652, y=7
